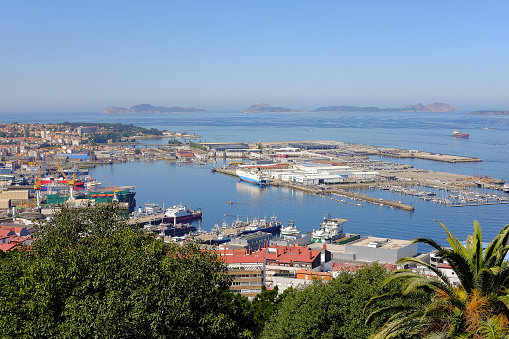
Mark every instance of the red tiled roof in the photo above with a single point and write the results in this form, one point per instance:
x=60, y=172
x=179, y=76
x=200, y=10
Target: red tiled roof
x=15, y=229
x=6, y=233
x=17, y=239
x=7, y=247
x=283, y=254
x=289, y=254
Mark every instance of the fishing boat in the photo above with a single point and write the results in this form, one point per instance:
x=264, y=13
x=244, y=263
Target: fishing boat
x=256, y=224
x=331, y=229
x=176, y=230
x=457, y=134
x=290, y=232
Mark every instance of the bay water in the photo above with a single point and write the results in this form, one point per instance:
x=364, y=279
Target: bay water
x=195, y=186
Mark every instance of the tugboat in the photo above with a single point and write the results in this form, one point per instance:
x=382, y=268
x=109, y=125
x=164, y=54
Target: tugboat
x=457, y=134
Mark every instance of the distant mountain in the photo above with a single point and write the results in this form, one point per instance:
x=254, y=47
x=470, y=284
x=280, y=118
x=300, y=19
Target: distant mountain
x=489, y=113
x=260, y=108
x=434, y=107
x=146, y=108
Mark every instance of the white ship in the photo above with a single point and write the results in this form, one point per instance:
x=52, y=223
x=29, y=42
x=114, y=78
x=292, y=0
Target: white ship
x=331, y=229
x=254, y=177
x=290, y=232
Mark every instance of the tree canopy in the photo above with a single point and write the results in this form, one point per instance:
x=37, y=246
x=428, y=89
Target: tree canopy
x=89, y=275
x=477, y=307
x=332, y=310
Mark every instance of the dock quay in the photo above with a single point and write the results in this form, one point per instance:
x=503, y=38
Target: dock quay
x=150, y=219
x=430, y=156
x=352, y=149
x=323, y=193
x=228, y=232
x=372, y=200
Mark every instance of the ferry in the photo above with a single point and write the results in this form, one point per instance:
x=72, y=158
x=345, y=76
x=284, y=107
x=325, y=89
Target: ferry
x=457, y=134
x=254, y=177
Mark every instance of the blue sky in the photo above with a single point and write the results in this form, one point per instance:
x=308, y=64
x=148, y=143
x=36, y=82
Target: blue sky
x=225, y=55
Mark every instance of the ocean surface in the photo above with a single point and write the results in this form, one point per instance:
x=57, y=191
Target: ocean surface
x=195, y=185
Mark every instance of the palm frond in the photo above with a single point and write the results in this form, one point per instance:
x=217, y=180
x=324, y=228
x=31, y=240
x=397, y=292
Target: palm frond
x=498, y=244
x=456, y=245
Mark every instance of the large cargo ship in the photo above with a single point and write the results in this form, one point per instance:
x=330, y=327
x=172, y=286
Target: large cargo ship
x=457, y=134
x=180, y=213
x=55, y=181
x=122, y=194
x=254, y=177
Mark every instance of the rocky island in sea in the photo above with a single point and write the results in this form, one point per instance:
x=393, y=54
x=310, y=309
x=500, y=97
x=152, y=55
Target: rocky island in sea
x=434, y=107
x=147, y=108
x=266, y=108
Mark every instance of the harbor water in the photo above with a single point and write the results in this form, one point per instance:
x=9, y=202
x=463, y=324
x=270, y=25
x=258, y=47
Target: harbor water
x=195, y=186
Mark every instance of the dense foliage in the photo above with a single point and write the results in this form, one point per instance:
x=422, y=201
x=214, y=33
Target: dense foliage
x=89, y=275
x=335, y=309
x=477, y=307
x=198, y=146
x=116, y=132
x=174, y=142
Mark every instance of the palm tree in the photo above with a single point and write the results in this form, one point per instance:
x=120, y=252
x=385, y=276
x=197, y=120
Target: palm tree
x=478, y=307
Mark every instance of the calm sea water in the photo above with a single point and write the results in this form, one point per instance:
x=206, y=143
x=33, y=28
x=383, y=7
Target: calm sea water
x=195, y=186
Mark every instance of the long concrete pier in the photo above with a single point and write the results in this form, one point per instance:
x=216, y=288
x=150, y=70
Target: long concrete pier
x=324, y=193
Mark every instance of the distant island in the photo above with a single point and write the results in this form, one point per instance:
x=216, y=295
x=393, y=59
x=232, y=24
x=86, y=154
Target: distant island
x=434, y=107
x=146, y=108
x=489, y=113
x=266, y=108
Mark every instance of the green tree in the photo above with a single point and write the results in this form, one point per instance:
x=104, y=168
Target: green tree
x=198, y=146
x=90, y=275
x=331, y=310
x=264, y=305
x=174, y=142
x=477, y=306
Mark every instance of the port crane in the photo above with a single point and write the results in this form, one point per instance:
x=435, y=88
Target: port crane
x=115, y=190
x=37, y=188
x=70, y=182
